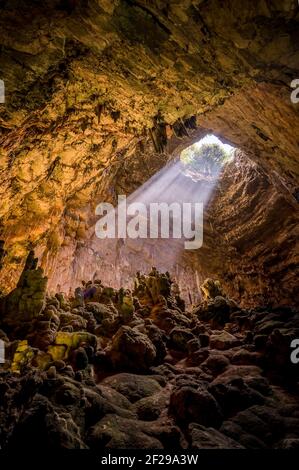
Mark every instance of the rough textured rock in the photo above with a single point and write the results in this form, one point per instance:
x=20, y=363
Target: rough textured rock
x=209, y=438
x=116, y=432
x=26, y=301
x=223, y=340
x=59, y=386
x=150, y=408
x=82, y=113
x=134, y=386
x=199, y=406
x=132, y=349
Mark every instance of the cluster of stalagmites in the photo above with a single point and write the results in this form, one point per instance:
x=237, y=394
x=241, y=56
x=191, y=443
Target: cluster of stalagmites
x=121, y=369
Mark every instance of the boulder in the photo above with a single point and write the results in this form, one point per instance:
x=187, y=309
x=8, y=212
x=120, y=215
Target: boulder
x=99, y=404
x=223, y=340
x=189, y=405
x=101, y=312
x=131, y=349
x=150, y=408
x=75, y=321
x=216, y=311
x=258, y=426
x=44, y=427
x=215, y=364
x=28, y=299
x=113, y=396
x=156, y=337
x=132, y=386
x=66, y=342
x=122, y=433
x=235, y=395
x=210, y=438
x=179, y=337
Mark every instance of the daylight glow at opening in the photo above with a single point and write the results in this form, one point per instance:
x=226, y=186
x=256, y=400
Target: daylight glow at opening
x=206, y=159
x=169, y=185
x=212, y=139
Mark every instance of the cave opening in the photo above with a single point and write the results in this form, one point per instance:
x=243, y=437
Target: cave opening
x=206, y=159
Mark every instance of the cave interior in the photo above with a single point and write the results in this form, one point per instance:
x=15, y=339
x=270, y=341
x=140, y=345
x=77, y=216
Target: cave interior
x=141, y=343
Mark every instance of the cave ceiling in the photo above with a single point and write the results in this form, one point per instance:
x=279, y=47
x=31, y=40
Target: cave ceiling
x=100, y=95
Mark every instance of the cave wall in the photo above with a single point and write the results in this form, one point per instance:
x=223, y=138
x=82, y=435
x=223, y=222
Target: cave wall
x=101, y=94
x=251, y=236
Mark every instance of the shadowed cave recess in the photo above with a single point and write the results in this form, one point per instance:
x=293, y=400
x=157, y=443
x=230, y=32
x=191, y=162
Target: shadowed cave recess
x=141, y=343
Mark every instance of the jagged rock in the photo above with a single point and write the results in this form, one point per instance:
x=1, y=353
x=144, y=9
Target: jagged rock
x=150, y=408
x=150, y=289
x=179, y=337
x=193, y=345
x=125, y=305
x=234, y=431
x=132, y=349
x=189, y=405
x=75, y=321
x=215, y=364
x=167, y=319
x=199, y=356
x=236, y=372
x=258, y=426
x=22, y=357
x=68, y=393
x=3, y=253
x=102, y=312
x=210, y=438
x=211, y=288
x=64, y=303
x=115, y=397
x=44, y=329
x=134, y=387
x=100, y=404
x=215, y=379
x=235, y=395
x=52, y=373
x=105, y=316
x=156, y=337
x=44, y=335
x=223, y=340
x=41, y=427
x=245, y=357
x=66, y=342
x=27, y=300
x=116, y=432
x=216, y=310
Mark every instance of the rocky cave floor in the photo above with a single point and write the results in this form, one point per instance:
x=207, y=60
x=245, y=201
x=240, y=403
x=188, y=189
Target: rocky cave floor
x=121, y=369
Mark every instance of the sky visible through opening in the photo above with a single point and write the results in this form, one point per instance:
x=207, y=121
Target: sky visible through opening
x=212, y=139
x=206, y=158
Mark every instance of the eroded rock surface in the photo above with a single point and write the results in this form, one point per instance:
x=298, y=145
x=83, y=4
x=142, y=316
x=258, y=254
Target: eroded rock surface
x=229, y=384
x=99, y=96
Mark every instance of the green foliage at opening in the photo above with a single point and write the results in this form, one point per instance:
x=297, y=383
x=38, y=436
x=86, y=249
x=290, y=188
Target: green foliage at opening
x=208, y=159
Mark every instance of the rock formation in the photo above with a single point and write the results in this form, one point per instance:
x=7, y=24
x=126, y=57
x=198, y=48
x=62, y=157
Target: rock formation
x=216, y=376
x=99, y=96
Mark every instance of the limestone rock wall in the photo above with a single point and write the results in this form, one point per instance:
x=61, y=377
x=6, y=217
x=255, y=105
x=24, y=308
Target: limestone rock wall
x=95, y=88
